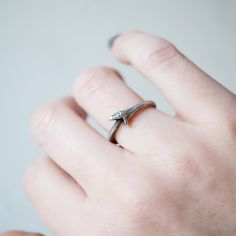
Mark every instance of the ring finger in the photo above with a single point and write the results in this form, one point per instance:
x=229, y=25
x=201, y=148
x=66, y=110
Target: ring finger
x=101, y=92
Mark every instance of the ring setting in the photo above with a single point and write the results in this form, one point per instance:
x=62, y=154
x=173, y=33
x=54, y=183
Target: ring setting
x=124, y=116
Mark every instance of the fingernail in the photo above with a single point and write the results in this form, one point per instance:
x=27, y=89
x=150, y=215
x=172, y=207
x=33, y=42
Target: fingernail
x=112, y=40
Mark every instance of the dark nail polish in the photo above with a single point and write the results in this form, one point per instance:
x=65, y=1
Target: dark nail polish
x=112, y=40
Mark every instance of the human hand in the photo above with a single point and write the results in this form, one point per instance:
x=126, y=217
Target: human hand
x=173, y=176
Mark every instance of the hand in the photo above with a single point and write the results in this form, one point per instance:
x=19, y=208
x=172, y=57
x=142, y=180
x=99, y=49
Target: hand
x=173, y=176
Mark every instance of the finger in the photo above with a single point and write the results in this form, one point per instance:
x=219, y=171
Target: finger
x=194, y=94
x=55, y=195
x=101, y=92
x=73, y=144
x=19, y=233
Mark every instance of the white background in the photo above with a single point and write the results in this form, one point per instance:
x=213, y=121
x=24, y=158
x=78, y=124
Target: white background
x=45, y=44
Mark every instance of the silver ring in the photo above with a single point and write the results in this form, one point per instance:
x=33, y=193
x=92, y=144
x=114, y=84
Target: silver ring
x=124, y=116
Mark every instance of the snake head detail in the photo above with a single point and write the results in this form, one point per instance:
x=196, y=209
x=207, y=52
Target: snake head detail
x=119, y=115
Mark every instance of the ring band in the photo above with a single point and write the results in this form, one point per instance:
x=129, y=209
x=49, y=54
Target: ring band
x=124, y=116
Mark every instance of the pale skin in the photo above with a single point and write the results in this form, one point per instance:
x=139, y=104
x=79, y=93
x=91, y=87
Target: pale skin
x=175, y=175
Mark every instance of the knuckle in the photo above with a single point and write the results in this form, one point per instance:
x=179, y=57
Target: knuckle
x=160, y=56
x=92, y=81
x=42, y=119
x=200, y=172
x=190, y=170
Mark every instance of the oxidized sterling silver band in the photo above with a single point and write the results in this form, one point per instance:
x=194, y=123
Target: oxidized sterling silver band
x=124, y=116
